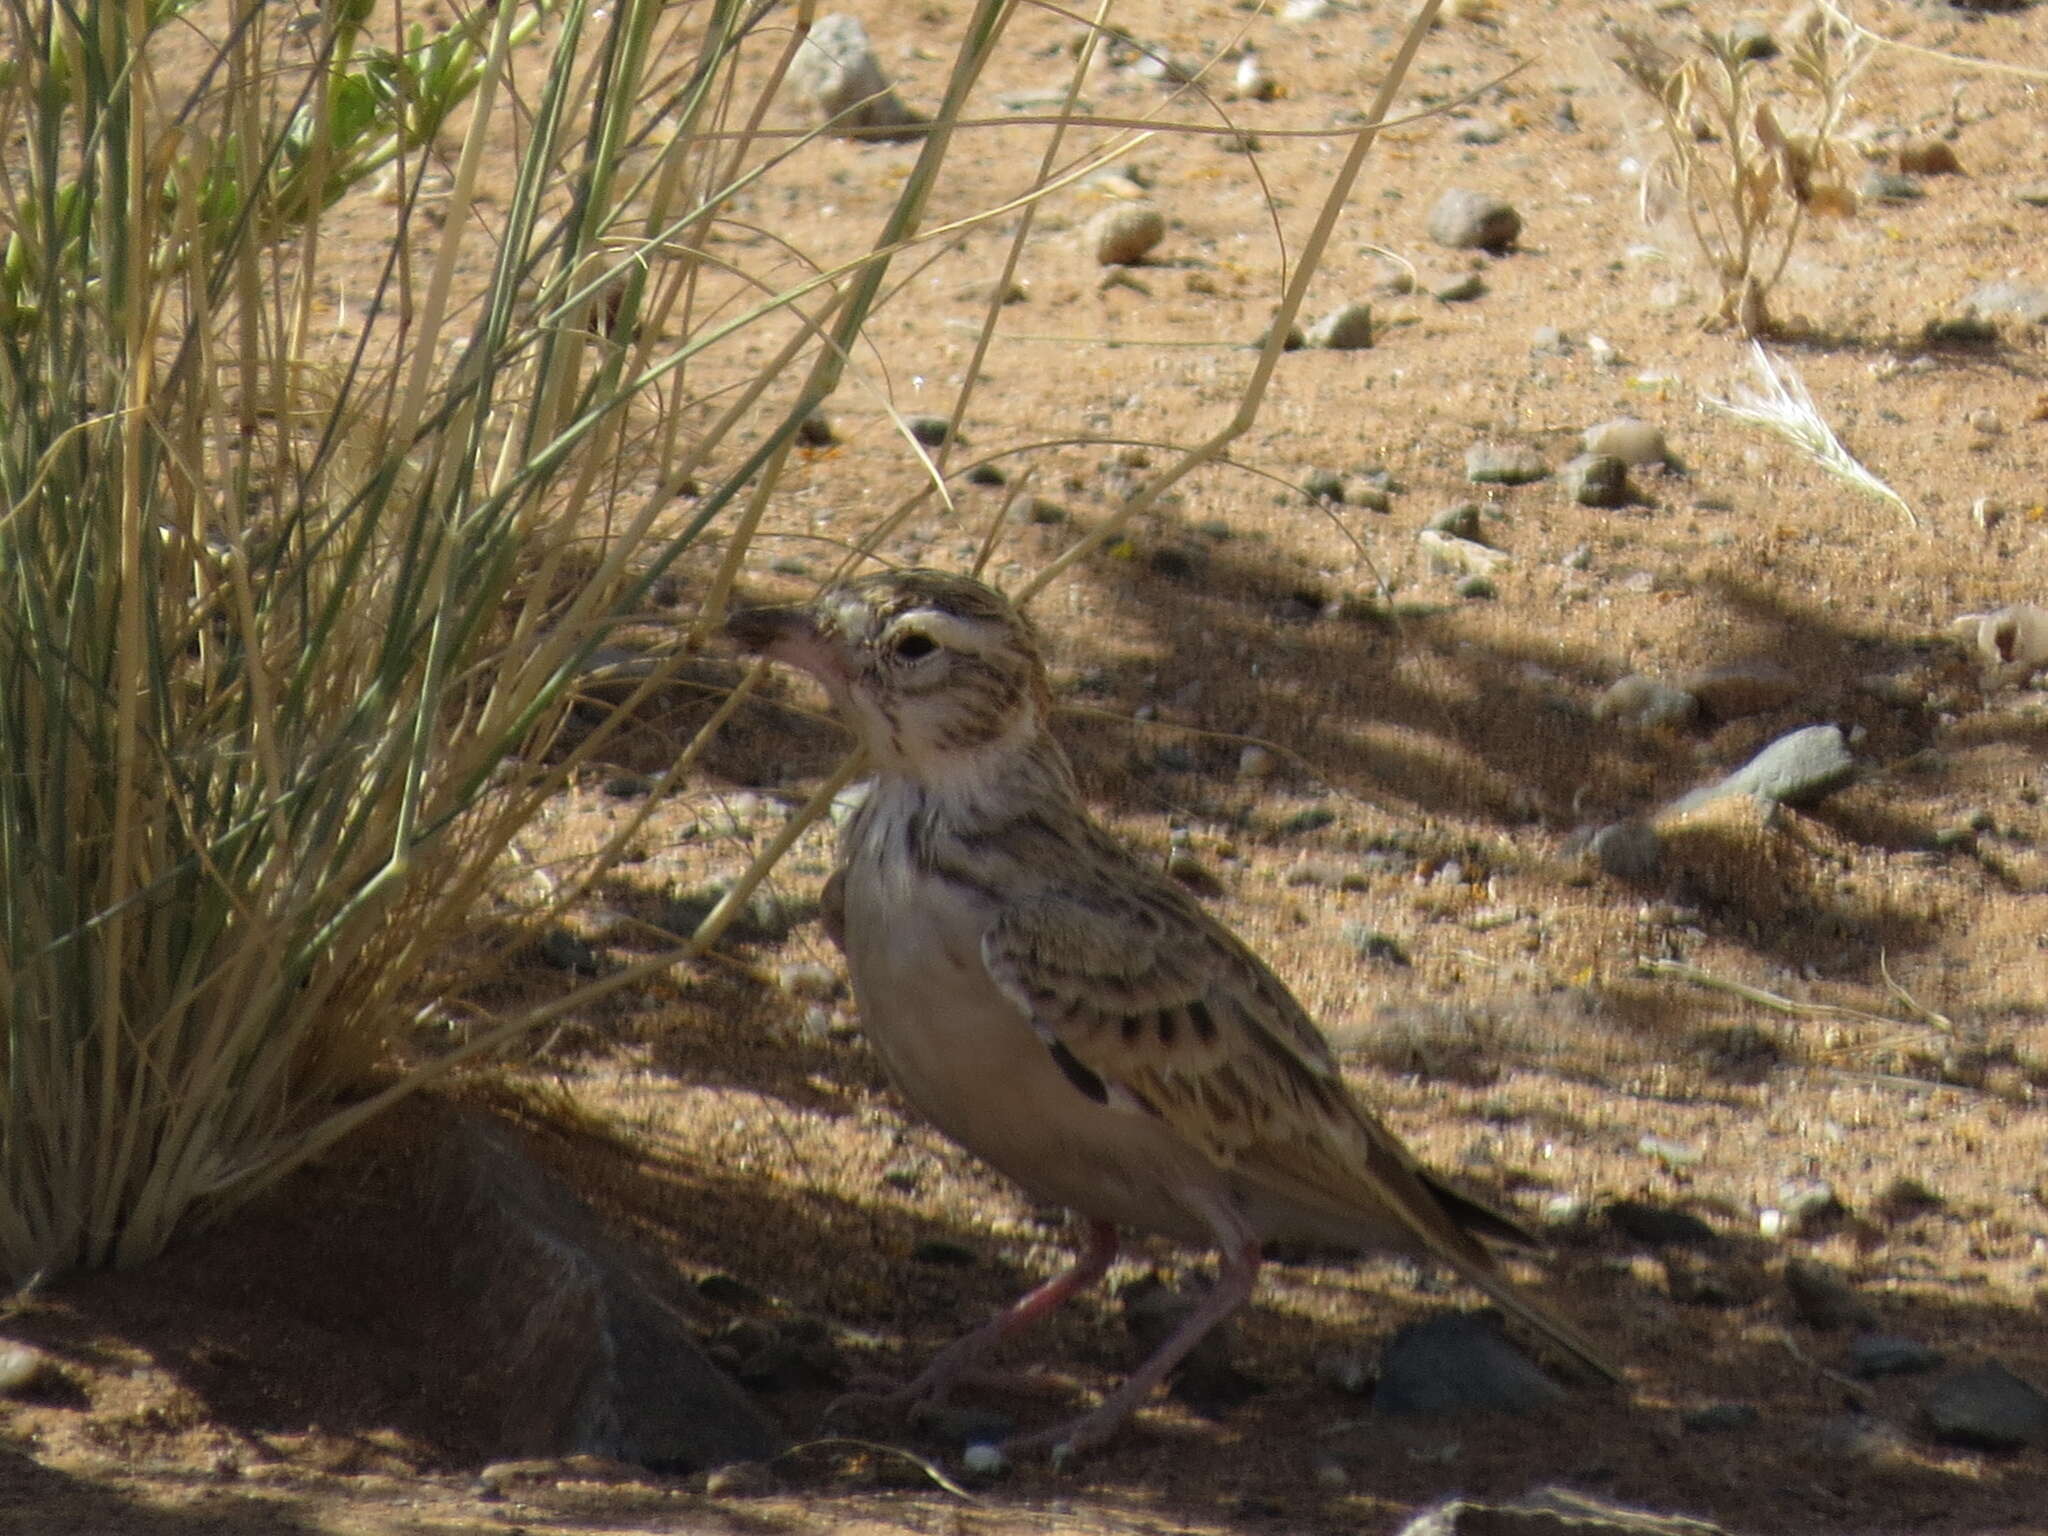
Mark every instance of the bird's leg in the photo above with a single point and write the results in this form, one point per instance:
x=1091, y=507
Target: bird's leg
x=932, y=1383
x=1238, y=1272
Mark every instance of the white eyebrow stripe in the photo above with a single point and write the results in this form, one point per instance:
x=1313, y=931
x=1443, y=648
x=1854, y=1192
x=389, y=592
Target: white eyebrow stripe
x=950, y=630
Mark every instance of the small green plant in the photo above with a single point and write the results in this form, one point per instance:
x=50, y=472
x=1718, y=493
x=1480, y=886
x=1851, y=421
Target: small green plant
x=1743, y=179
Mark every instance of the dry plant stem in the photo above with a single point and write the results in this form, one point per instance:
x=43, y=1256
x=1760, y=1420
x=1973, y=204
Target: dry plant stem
x=1679, y=971
x=1291, y=302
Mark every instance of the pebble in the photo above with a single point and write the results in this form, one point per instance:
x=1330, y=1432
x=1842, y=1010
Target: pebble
x=1718, y=1418
x=1890, y=187
x=1504, y=464
x=1659, y=1226
x=2025, y=300
x=1741, y=688
x=1460, y=556
x=1125, y=234
x=1929, y=157
x=1256, y=762
x=1751, y=39
x=1636, y=443
x=1822, y=1299
x=2034, y=194
x=1645, y=703
x=1549, y=341
x=1460, y=520
x=836, y=73
x=1989, y=1408
x=1597, y=480
x=1459, y=1363
x=23, y=1369
x=2011, y=644
x=1886, y=1354
x=1628, y=850
x=932, y=431
x=1467, y=221
x=984, y=1460
x=1461, y=289
x=1799, y=769
x=1347, y=328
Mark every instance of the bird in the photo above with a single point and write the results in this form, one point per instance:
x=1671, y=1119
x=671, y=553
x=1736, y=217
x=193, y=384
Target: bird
x=1070, y=1014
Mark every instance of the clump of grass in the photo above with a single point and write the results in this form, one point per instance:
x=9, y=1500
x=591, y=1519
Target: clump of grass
x=1744, y=180
x=298, y=568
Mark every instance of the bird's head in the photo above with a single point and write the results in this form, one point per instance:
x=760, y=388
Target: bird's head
x=938, y=675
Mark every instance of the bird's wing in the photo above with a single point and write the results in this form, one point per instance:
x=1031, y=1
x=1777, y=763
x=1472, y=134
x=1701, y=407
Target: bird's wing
x=1133, y=987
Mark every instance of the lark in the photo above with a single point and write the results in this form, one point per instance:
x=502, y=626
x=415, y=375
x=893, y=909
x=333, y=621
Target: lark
x=1069, y=1014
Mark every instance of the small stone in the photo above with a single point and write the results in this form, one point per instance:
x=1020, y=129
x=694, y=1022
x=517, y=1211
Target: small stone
x=932, y=431
x=1460, y=520
x=566, y=952
x=1929, y=157
x=1256, y=762
x=1822, y=1299
x=835, y=73
x=1597, y=480
x=739, y=1480
x=984, y=1460
x=2034, y=194
x=1323, y=485
x=1459, y=1363
x=1467, y=221
x=1504, y=464
x=1799, y=769
x=1859, y=1437
x=1460, y=289
x=1372, y=944
x=1743, y=688
x=1886, y=1354
x=1989, y=1408
x=1719, y=1418
x=1455, y=556
x=2027, y=301
x=1347, y=328
x=1672, y=1154
x=1124, y=235
x=1751, y=39
x=1645, y=704
x=1890, y=187
x=1549, y=341
x=1658, y=1226
x=23, y=1369
x=1627, y=850
x=1636, y=443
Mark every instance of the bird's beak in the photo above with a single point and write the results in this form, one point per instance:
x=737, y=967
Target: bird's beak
x=791, y=636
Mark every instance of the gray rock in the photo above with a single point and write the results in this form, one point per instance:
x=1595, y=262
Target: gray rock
x=1890, y=187
x=1461, y=289
x=1803, y=768
x=1347, y=328
x=1598, y=480
x=1474, y=221
x=2034, y=194
x=1460, y=556
x=1989, y=1408
x=1125, y=234
x=1636, y=443
x=1645, y=703
x=1459, y=1363
x=1460, y=520
x=594, y=1361
x=835, y=73
x=1628, y=850
x=1886, y=1354
x=2025, y=300
x=1504, y=464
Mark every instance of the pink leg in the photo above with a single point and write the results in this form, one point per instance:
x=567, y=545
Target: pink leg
x=1234, y=1280
x=932, y=1384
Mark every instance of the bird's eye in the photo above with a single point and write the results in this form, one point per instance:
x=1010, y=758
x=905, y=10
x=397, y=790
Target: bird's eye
x=913, y=646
